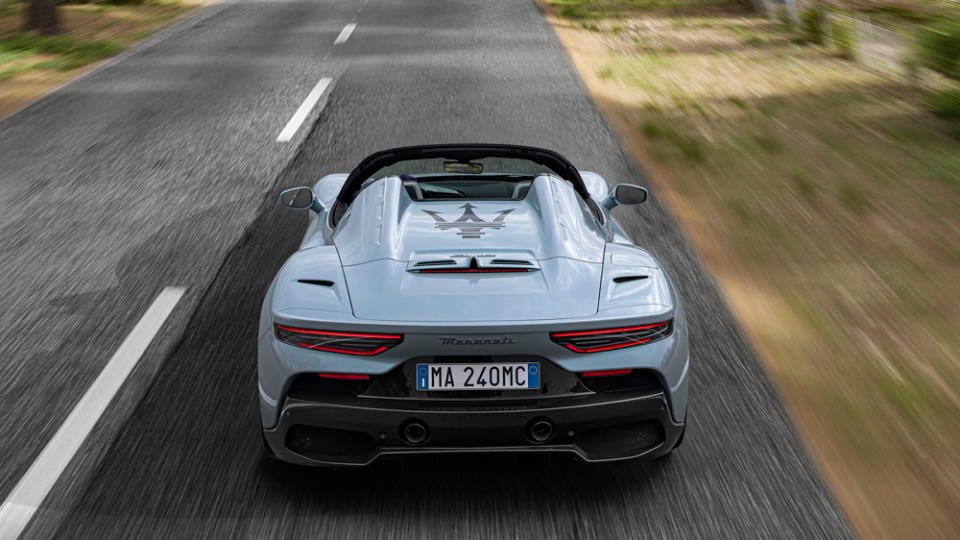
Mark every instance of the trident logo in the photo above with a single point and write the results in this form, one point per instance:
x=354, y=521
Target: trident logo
x=470, y=224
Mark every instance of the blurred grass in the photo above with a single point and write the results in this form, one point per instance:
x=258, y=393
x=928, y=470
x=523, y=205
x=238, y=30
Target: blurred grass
x=31, y=64
x=826, y=199
x=606, y=9
x=66, y=52
x=945, y=104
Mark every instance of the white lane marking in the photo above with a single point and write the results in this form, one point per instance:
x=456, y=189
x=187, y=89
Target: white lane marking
x=32, y=489
x=345, y=33
x=298, y=117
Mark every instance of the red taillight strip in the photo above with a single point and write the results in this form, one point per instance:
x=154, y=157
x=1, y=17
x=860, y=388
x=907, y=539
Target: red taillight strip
x=471, y=270
x=343, y=334
x=608, y=330
x=574, y=348
x=344, y=376
x=606, y=373
x=344, y=351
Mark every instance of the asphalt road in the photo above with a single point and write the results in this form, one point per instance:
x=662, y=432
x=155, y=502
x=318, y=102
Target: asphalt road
x=162, y=169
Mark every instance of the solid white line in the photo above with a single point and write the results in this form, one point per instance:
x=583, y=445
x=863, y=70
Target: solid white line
x=345, y=33
x=30, y=492
x=298, y=117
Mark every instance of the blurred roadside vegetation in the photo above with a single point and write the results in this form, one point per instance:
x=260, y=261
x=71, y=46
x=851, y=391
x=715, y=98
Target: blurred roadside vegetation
x=938, y=49
x=825, y=198
x=934, y=36
x=33, y=63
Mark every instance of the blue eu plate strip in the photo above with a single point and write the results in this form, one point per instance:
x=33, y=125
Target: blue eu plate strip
x=422, y=374
x=533, y=375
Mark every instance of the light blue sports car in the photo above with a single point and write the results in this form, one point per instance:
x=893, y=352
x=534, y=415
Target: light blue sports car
x=469, y=298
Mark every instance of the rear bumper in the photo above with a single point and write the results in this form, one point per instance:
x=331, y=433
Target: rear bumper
x=358, y=430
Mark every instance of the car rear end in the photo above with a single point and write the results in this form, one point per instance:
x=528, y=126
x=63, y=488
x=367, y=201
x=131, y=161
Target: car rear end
x=601, y=389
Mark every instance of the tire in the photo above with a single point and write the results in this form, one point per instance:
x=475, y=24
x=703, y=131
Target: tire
x=680, y=439
x=676, y=444
x=267, y=451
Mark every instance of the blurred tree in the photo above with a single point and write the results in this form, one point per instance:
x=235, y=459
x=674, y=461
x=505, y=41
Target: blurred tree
x=42, y=16
x=938, y=48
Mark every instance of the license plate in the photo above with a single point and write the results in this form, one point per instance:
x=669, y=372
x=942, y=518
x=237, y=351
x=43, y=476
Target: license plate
x=436, y=377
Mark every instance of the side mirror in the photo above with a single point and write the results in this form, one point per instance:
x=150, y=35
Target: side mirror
x=300, y=198
x=626, y=195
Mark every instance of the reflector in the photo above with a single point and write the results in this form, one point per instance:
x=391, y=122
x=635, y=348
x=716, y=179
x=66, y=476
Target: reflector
x=606, y=373
x=345, y=376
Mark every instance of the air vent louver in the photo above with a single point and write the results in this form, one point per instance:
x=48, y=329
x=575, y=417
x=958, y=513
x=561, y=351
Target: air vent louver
x=320, y=282
x=514, y=262
x=472, y=269
x=624, y=279
x=441, y=262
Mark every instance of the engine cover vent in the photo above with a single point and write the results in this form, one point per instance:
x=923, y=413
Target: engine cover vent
x=439, y=262
x=473, y=262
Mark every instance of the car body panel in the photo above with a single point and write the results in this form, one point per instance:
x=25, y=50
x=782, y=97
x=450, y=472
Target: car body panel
x=550, y=221
x=596, y=185
x=562, y=288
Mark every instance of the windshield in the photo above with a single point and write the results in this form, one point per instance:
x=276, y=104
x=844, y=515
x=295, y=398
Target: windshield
x=491, y=178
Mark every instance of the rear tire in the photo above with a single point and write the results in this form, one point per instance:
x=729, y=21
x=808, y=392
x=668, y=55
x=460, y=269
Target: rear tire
x=676, y=444
x=267, y=451
x=680, y=438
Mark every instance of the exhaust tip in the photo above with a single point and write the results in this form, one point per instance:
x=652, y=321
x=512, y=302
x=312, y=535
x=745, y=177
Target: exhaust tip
x=415, y=432
x=540, y=430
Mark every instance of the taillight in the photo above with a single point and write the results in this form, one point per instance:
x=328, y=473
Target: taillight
x=588, y=341
x=338, y=342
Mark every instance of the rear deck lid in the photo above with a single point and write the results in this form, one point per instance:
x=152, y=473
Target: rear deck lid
x=471, y=260
x=558, y=288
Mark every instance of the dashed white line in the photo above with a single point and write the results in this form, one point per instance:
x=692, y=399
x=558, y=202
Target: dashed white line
x=32, y=489
x=298, y=117
x=345, y=33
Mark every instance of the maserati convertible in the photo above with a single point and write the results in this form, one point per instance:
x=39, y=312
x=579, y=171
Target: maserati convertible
x=469, y=298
